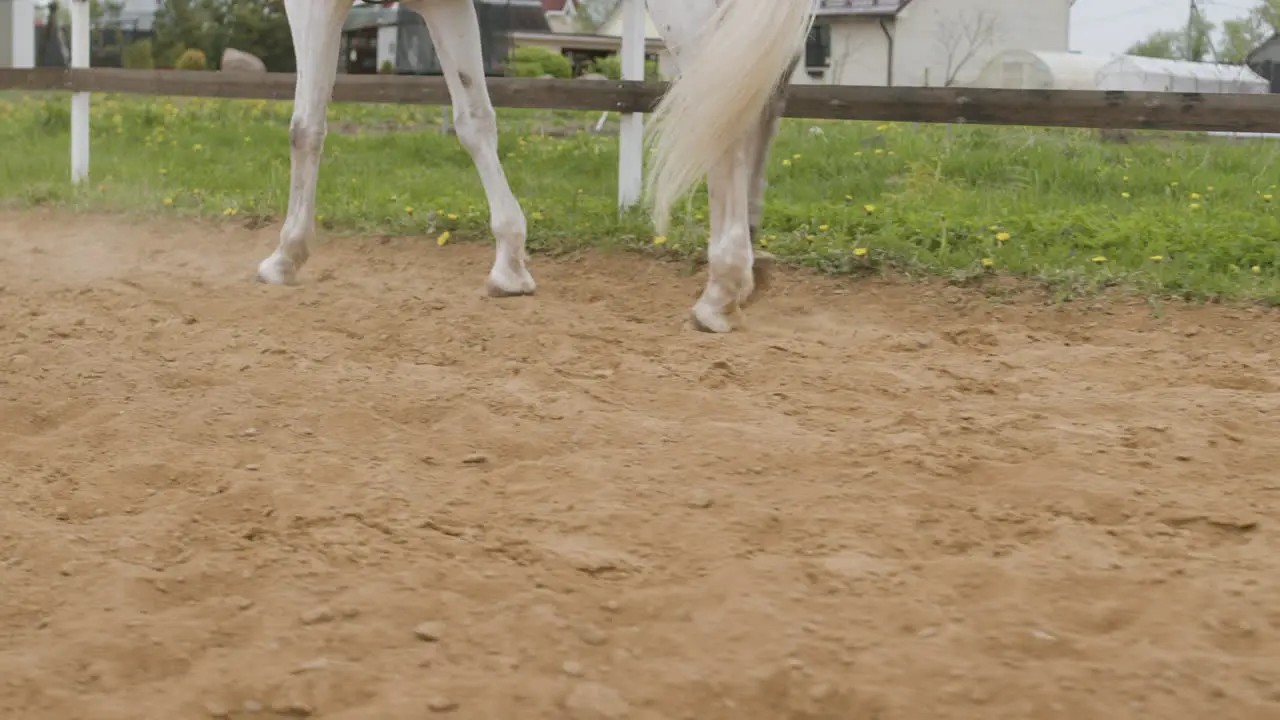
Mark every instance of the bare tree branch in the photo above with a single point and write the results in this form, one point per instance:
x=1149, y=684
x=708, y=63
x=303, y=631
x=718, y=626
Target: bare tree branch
x=963, y=40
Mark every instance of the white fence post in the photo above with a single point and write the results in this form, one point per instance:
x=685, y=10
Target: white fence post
x=631, y=139
x=80, y=100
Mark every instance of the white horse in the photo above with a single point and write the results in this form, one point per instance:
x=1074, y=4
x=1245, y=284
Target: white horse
x=717, y=119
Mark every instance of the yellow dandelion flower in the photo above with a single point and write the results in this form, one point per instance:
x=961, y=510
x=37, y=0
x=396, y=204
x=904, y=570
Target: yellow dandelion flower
x=1100, y=259
x=1267, y=197
x=892, y=152
x=796, y=156
x=452, y=216
x=1125, y=178
x=197, y=147
x=443, y=239
x=163, y=171
x=536, y=216
x=786, y=163
x=660, y=240
x=860, y=252
x=1209, y=189
x=229, y=211
x=1195, y=196
x=1195, y=206
x=879, y=151
x=1003, y=236
x=824, y=228
x=881, y=128
x=858, y=154
x=1173, y=184
x=408, y=210
x=869, y=208
x=849, y=198
x=1124, y=195
x=168, y=201
x=988, y=262
x=1256, y=269
x=1156, y=258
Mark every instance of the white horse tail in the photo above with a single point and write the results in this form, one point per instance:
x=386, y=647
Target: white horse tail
x=741, y=58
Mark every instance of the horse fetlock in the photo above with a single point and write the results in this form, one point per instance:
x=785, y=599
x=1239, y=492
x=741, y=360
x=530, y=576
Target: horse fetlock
x=280, y=269
x=707, y=316
x=761, y=276
x=510, y=278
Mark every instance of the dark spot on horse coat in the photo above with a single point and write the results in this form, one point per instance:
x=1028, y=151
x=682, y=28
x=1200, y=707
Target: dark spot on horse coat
x=465, y=79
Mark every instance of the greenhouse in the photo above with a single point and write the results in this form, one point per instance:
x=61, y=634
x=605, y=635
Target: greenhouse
x=1030, y=70
x=1129, y=72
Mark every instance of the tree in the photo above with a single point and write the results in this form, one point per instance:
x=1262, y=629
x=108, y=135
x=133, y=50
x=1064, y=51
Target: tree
x=590, y=13
x=1194, y=43
x=962, y=40
x=260, y=27
x=1240, y=37
x=1162, y=44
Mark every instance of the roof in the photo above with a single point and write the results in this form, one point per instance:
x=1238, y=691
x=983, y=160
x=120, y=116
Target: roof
x=519, y=15
x=1265, y=44
x=874, y=8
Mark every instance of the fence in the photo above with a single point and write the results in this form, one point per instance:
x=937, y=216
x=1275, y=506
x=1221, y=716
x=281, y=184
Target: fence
x=1192, y=112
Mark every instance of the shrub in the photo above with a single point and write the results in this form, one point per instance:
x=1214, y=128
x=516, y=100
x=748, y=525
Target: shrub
x=388, y=68
x=536, y=62
x=168, y=58
x=611, y=67
x=138, y=55
x=192, y=60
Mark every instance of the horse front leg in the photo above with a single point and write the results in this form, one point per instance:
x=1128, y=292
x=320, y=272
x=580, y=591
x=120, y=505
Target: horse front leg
x=455, y=32
x=316, y=26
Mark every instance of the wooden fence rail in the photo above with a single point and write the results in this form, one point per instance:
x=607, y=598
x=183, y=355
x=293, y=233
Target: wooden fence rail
x=1195, y=112
x=1054, y=108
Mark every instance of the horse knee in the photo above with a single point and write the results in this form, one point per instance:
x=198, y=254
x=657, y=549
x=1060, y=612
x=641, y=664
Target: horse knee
x=307, y=136
x=477, y=130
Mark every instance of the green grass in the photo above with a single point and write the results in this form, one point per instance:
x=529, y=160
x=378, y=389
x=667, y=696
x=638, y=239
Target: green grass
x=1184, y=216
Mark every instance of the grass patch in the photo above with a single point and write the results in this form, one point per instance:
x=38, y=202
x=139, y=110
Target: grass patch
x=1187, y=216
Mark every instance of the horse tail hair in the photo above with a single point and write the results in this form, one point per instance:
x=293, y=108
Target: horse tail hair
x=743, y=57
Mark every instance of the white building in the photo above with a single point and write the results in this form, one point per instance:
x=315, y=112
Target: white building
x=17, y=33
x=927, y=43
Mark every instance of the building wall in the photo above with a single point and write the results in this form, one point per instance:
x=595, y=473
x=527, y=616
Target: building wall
x=387, y=35
x=934, y=36
x=859, y=54
x=17, y=33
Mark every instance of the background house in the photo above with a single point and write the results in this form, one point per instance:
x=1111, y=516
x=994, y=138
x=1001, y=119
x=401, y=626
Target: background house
x=375, y=37
x=925, y=42
x=568, y=35
x=1265, y=60
x=17, y=33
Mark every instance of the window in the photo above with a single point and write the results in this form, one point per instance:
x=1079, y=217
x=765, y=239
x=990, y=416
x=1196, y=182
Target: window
x=817, y=49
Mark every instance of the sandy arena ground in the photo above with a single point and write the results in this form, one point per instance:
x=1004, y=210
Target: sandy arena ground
x=381, y=495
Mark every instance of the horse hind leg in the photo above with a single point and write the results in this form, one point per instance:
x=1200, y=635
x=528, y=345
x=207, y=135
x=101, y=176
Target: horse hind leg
x=764, y=263
x=730, y=266
x=455, y=32
x=316, y=26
